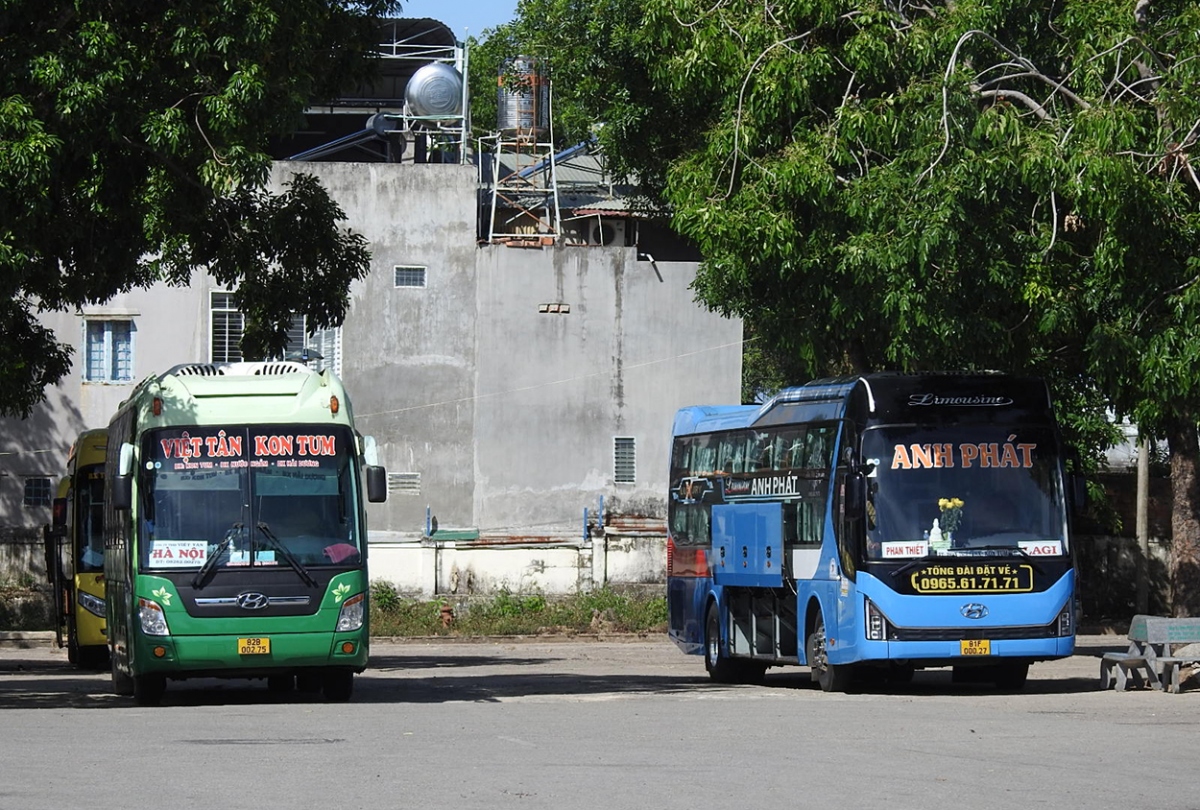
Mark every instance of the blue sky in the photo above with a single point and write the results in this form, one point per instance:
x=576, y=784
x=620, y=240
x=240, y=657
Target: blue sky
x=464, y=17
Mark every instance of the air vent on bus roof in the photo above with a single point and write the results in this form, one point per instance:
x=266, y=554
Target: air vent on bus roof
x=285, y=367
x=195, y=369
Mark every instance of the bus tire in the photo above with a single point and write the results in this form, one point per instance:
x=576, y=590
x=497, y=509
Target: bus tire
x=722, y=669
x=122, y=684
x=831, y=677
x=1011, y=677
x=72, y=645
x=148, y=689
x=338, y=686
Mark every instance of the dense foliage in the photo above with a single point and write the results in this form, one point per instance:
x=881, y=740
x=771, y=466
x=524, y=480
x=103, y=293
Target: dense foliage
x=950, y=185
x=133, y=143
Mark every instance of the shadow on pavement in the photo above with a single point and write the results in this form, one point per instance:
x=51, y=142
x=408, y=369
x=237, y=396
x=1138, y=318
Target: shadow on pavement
x=36, y=680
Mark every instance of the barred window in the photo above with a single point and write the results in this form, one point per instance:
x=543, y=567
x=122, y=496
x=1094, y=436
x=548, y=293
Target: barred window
x=410, y=276
x=228, y=324
x=37, y=491
x=108, y=350
x=227, y=327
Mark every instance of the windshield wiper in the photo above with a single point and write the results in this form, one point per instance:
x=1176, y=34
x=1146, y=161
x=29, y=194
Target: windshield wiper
x=201, y=577
x=911, y=564
x=290, y=558
x=1013, y=550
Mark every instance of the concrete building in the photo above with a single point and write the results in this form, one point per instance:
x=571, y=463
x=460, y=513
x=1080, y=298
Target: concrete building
x=511, y=384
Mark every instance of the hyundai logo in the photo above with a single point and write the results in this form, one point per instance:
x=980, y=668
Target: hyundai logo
x=252, y=601
x=971, y=610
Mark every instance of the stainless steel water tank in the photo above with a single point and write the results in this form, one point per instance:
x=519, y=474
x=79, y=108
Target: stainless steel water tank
x=523, y=98
x=435, y=89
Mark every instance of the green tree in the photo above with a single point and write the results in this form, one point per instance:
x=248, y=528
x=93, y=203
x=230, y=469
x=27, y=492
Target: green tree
x=950, y=185
x=602, y=85
x=133, y=149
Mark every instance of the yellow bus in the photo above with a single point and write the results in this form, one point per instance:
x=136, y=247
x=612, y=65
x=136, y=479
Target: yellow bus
x=75, y=553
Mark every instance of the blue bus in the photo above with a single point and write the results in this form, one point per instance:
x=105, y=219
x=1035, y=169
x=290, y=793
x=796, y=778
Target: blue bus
x=870, y=526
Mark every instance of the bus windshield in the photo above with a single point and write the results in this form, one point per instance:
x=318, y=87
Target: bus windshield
x=963, y=491
x=241, y=497
x=89, y=516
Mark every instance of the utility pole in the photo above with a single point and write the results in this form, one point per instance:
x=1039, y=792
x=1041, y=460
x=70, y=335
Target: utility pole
x=1143, y=526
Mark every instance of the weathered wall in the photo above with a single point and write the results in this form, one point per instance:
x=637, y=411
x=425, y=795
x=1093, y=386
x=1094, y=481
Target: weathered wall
x=408, y=354
x=505, y=412
x=170, y=327
x=430, y=567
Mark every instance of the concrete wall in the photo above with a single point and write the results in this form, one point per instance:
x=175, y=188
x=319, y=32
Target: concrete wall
x=170, y=327
x=431, y=567
x=408, y=354
x=508, y=413
x=505, y=412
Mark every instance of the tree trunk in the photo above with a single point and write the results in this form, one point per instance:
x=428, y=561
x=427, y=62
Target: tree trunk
x=1184, y=567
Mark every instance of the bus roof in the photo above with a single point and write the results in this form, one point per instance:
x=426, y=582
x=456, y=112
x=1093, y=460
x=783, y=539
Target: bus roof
x=884, y=396
x=273, y=391
x=88, y=448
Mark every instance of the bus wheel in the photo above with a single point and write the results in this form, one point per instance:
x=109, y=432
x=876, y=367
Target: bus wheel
x=831, y=677
x=722, y=669
x=122, y=684
x=338, y=686
x=148, y=689
x=1011, y=677
x=72, y=644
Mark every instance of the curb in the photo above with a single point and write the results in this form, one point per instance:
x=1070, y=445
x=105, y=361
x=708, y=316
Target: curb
x=26, y=639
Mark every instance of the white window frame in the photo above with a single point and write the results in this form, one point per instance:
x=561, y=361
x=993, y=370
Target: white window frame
x=232, y=349
x=410, y=271
x=109, y=350
x=327, y=342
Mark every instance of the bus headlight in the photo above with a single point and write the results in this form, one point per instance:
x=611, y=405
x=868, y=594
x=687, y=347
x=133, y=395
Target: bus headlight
x=878, y=627
x=1065, y=625
x=91, y=603
x=351, y=617
x=154, y=622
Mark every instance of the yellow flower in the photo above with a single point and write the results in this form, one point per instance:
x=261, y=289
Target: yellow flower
x=951, y=512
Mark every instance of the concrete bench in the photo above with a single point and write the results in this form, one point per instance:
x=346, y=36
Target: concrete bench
x=1117, y=669
x=1159, y=650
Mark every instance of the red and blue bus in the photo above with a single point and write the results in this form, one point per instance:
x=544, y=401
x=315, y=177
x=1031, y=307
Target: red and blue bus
x=872, y=526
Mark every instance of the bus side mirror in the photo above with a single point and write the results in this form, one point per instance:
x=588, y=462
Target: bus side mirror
x=376, y=484
x=856, y=494
x=121, y=490
x=58, y=515
x=125, y=463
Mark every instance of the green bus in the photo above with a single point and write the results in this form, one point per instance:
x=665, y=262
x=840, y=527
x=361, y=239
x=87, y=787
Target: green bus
x=235, y=530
